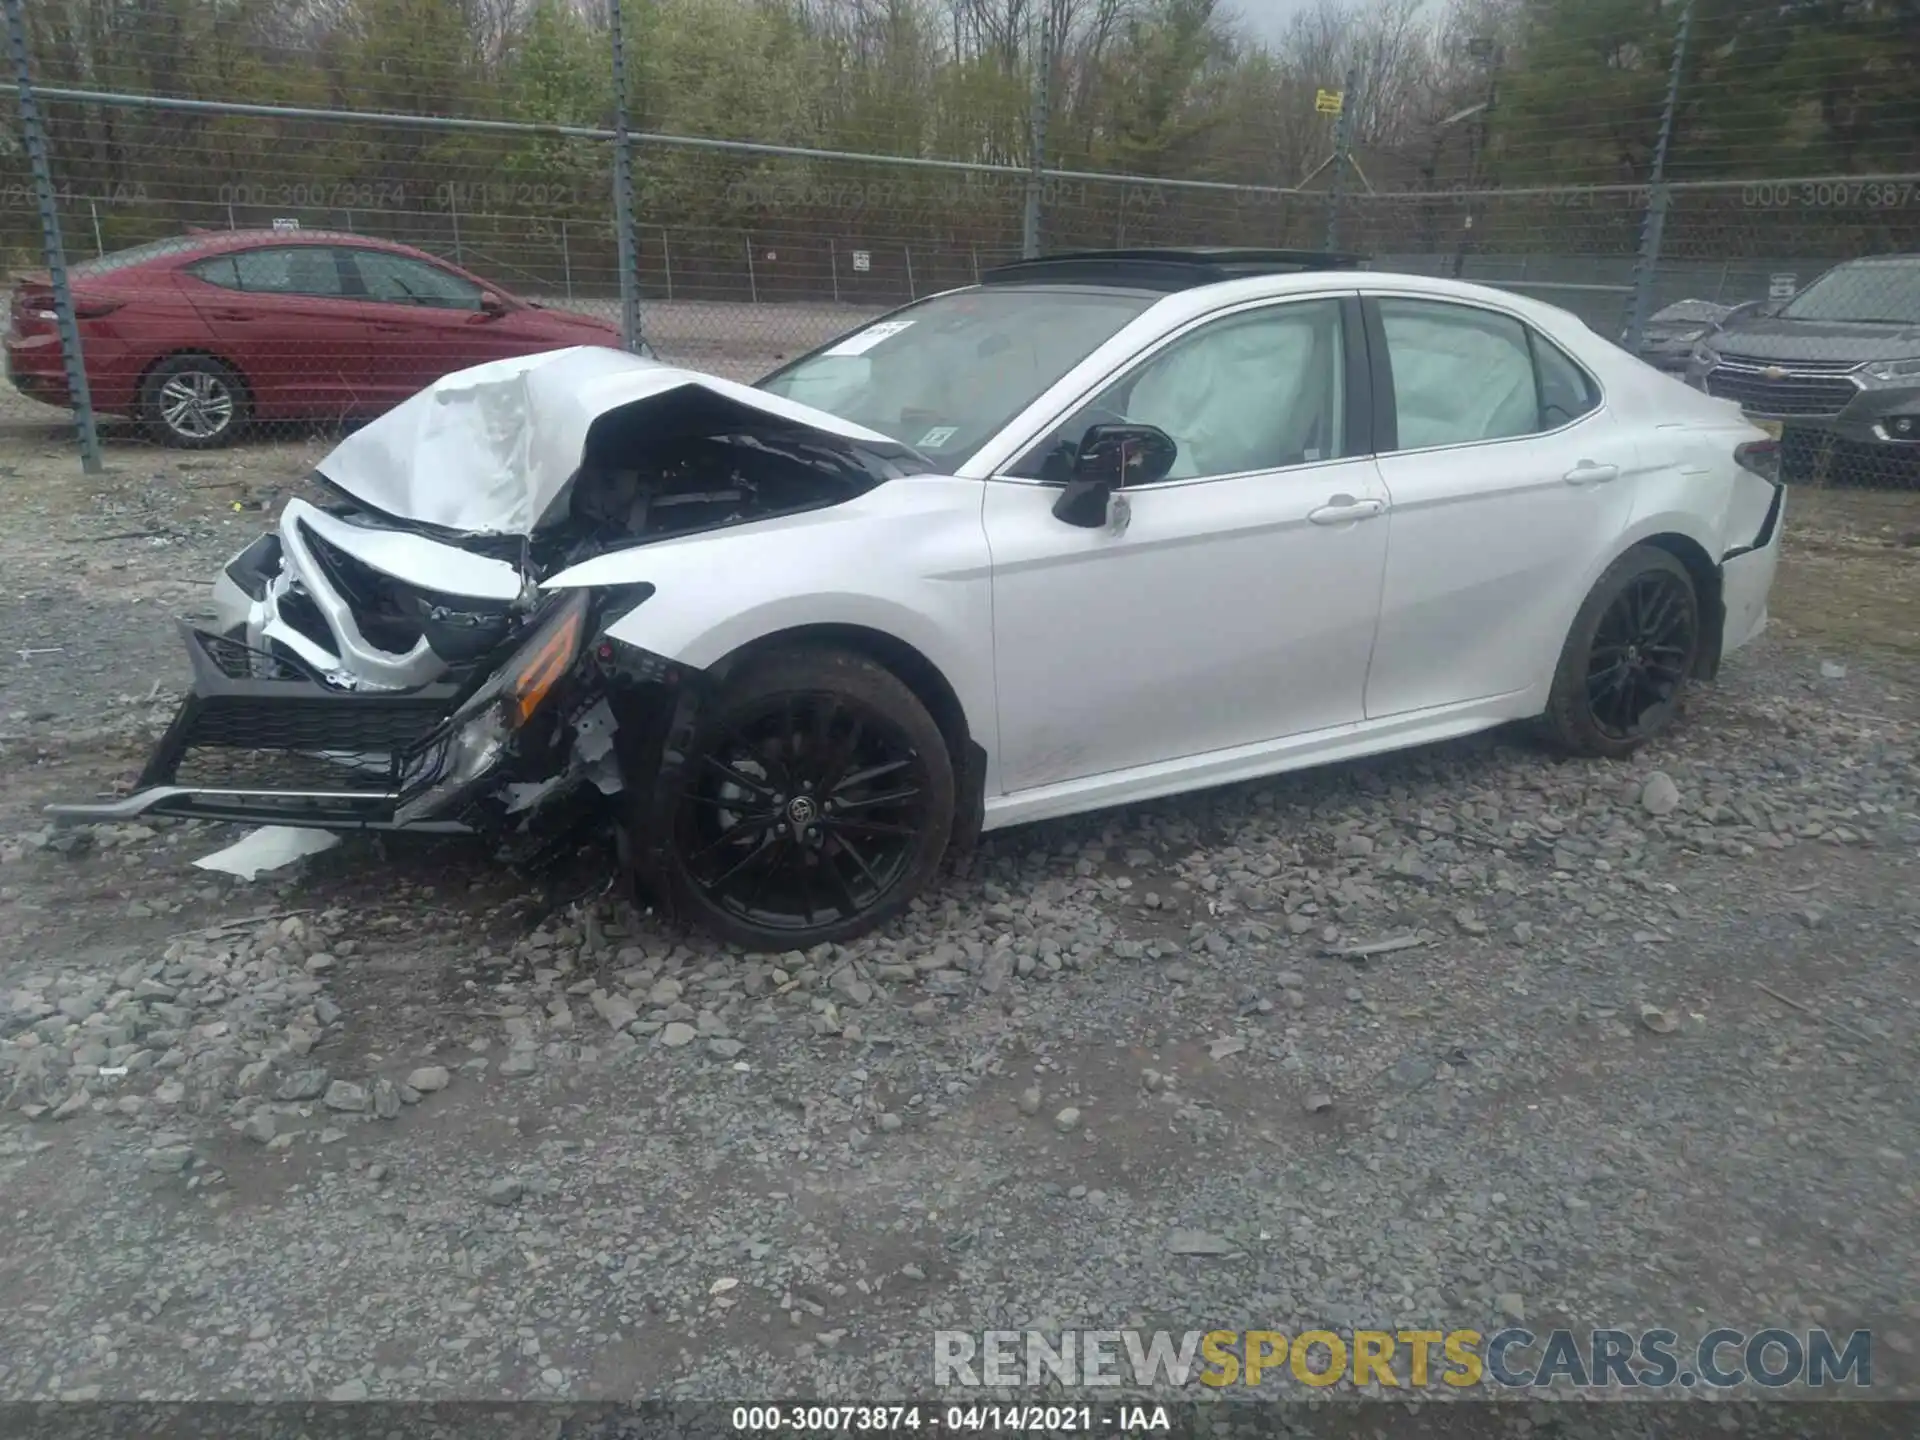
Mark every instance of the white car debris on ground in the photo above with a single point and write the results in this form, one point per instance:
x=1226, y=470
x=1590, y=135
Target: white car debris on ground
x=271, y=847
x=1097, y=530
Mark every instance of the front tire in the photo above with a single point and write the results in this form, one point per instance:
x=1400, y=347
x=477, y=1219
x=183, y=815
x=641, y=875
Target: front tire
x=1624, y=669
x=818, y=801
x=193, y=402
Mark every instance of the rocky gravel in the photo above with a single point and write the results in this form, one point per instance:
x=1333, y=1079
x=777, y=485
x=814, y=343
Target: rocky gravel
x=1467, y=1036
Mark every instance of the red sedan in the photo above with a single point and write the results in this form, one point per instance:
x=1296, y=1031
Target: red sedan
x=198, y=335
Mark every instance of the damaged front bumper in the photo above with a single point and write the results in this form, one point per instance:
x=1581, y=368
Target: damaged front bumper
x=567, y=734
x=261, y=740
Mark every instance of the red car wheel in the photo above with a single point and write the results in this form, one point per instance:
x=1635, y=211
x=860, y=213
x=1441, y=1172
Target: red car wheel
x=194, y=402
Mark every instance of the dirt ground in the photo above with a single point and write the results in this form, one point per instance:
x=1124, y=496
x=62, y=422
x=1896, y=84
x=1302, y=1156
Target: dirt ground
x=393, y=1125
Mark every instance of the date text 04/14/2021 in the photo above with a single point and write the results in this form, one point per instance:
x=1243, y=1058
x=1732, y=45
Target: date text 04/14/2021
x=958, y=1419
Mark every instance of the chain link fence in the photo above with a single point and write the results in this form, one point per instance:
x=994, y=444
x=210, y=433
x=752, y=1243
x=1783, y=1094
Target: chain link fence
x=393, y=215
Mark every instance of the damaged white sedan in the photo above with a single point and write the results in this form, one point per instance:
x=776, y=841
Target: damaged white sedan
x=1101, y=528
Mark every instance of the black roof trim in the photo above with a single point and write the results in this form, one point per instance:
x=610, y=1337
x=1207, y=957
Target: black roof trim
x=1167, y=269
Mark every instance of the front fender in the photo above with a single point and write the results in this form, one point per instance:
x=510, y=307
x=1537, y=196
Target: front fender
x=691, y=636
x=908, y=560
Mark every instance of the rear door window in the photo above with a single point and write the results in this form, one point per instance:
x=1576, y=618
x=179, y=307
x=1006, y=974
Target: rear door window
x=1463, y=375
x=312, y=270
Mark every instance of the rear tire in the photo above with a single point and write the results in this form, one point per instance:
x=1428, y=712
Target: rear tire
x=193, y=402
x=1624, y=670
x=818, y=802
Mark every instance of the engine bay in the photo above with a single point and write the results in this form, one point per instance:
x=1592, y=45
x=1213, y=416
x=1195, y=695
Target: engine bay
x=635, y=491
x=369, y=601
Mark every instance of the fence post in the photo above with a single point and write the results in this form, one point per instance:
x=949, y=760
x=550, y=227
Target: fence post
x=453, y=213
x=79, y=396
x=753, y=285
x=912, y=292
x=627, y=244
x=566, y=261
x=1654, y=223
x=666, y=259
x=1037, y=135
x=833, y=264
x=1342, y=140
x=99, y=243
x=974, y=251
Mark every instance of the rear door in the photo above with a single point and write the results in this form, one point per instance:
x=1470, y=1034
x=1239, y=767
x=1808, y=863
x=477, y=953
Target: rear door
x=427, y=321
x=1508, y=477
x=282, y=313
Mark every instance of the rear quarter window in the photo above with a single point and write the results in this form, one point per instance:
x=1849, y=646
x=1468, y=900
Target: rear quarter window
x=1566, y=390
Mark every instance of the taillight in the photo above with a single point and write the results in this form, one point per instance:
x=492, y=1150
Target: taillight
x=1760, y=457
x=36, y=303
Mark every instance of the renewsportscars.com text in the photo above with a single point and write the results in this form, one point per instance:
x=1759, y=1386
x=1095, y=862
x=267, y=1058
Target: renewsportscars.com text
x=1512, y=1358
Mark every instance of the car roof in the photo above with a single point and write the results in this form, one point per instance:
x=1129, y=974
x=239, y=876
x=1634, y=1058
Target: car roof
x=1164, y=269
x=197, y=244
x=1190, y=281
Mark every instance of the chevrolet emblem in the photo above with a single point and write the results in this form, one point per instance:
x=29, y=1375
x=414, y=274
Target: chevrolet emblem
x=1775, y=372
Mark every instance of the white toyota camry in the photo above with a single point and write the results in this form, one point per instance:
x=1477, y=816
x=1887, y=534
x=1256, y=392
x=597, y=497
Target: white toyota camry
x=1100, y=528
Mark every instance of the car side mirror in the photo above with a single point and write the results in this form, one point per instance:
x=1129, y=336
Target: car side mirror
x=491, y=304
x=1112, y=458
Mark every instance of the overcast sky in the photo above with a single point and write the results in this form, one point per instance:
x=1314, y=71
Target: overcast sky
x=1269, y=17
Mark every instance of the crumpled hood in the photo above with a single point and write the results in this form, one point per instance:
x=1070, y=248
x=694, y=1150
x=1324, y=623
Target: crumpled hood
x=487, y=450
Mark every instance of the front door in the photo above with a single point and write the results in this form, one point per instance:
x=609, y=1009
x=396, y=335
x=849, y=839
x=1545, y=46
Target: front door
x=1238, y=603
x=427, y=322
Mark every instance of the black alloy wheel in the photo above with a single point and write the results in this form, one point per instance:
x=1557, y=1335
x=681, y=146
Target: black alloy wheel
x=1633, y=649
x=1640, y=655
x=818, y=802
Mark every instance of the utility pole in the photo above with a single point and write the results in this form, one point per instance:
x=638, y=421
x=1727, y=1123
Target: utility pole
x=1487, y=52
x=1654, y=223
x=1342, y=156
x=35, y=138
x=1042, y=30
x=626, y=235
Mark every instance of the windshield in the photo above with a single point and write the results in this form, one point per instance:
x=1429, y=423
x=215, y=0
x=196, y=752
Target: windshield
x=944, y=375
x=1886, y=293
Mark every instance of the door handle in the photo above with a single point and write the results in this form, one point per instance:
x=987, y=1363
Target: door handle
x=1343, y=509
x=231, y=315
x=1588, y=473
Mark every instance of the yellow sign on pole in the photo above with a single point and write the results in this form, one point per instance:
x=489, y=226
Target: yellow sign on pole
x=1329, y=102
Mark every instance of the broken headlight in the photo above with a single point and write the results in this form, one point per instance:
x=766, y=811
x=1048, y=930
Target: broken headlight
x=465, y=749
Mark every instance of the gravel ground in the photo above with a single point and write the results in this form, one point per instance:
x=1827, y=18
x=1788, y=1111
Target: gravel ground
x=392, y=1125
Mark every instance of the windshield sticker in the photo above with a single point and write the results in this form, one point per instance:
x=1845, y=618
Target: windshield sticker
x=868, y=338
x=938, y=436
